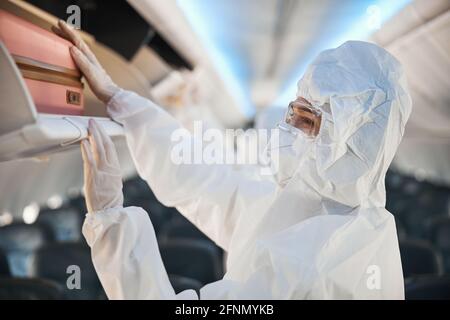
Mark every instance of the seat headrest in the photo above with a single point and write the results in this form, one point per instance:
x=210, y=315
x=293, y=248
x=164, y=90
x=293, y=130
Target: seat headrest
x=63, y=224
x=420, y=258
x=22, y=237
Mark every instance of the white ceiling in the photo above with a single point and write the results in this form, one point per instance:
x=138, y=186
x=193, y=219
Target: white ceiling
x=267, y=43
x=258, y=48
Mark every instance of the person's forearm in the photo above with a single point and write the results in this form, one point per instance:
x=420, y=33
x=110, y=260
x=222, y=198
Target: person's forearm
x=126, y=256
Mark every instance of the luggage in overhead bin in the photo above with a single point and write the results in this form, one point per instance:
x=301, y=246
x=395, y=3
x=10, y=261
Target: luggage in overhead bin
x=44, y=60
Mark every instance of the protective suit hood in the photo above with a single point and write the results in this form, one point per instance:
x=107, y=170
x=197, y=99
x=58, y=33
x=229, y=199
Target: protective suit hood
x=362, y=90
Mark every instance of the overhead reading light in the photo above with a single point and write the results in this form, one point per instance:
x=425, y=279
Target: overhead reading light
x=30, y=213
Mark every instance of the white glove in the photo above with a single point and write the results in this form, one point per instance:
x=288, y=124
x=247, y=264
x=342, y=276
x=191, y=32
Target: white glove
x=102, y=175
x=99, y=81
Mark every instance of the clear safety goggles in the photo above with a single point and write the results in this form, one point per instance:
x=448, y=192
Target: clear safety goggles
x=302, y=116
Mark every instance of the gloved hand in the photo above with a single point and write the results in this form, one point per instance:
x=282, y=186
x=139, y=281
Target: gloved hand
x=99, y=81
x=102, y=175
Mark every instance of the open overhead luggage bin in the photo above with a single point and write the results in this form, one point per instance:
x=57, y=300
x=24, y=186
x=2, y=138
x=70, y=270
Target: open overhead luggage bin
x=23, y=131
x=26, y=132
x=46, y=64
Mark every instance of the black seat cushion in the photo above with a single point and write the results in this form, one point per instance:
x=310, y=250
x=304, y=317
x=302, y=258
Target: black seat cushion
x=29, y=289
x=196, y=259
x=63, y=224
x=18, y=242
x=52, y=262
x=22, y=237
x=155, y=211
x=420, y=258
x=439, y=233
x=428, y=287
x=181, y=230
x=4, y=266
x=180, y=283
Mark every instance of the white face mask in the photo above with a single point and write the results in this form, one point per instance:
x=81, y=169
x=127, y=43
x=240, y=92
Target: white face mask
x=285, y=155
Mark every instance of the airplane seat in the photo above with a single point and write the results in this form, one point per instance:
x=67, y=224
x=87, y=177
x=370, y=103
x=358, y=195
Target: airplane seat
x=392, y=199
x=401, y=231
x=136, y=188
x=18, y=241
x=180, y=230
x=63, y=224
x=439, y=235
x=414, y=220
x=419, y=257
x=435, y=198
x=394, y=180
x=4, y=266
x=29, y=289
x=428, y=288
x=412, y=187
x=414, y=203
x=178, y=218
x=180, y=283
x=157, y=213
x=137, y=193
x=68, y=263
x=78, y=203
x=400, y=207
x=194, y=259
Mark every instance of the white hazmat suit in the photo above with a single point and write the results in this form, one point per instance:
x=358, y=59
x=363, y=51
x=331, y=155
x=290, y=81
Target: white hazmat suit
x=321, y=233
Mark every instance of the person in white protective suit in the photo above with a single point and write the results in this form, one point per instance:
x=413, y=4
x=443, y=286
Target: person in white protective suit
x=318, y=229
